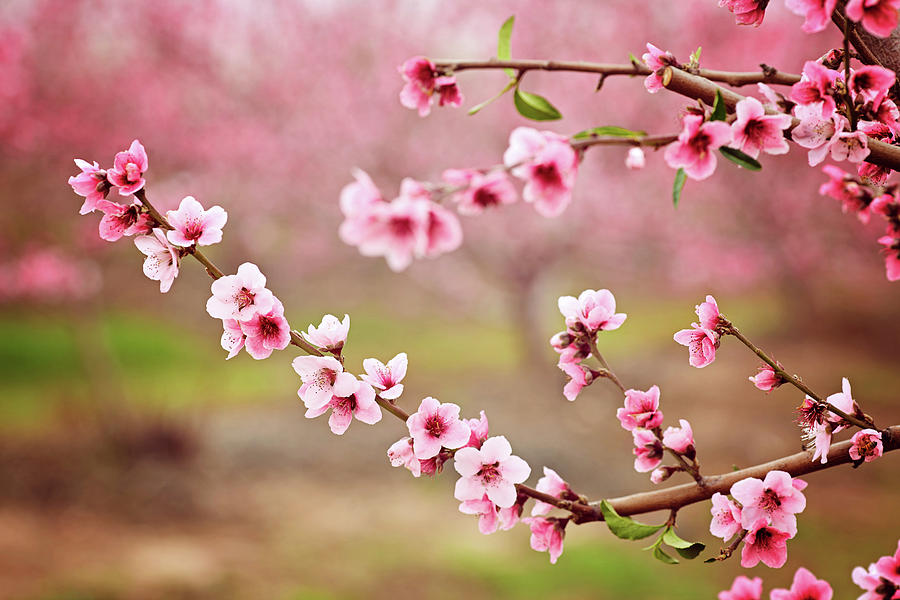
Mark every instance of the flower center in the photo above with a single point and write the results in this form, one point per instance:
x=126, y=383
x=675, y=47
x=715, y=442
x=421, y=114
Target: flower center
x=700, y=143
x=244, y=298
x=269, y=327
x=547, y=173
x=401, y=227
x=484, y=198
x=435, y=426
x=326, y=377
x=769, y=500
x=489, y=473
x=193, y=229
x=132, y=172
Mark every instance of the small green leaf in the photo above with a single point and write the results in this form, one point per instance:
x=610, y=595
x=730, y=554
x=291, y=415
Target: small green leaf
x=740, y=159
x=610, y=130
x=535, y=107
x=626, y=527
x=478, y=107
x=680, y=178
x=720, y=111
x=688, y=550
x=503, y=43
x=658, y=554
x=695, y=57
x=634, y=60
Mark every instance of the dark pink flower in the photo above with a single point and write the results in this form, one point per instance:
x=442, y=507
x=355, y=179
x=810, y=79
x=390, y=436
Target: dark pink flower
x=193, y=225
x=128, y=169
x=266, y=332
x=434, y=426
x=491, y=470
x=816, y=12
x=853, y=195
x=879, y=17
x=397, y=230
x=90, y=183
x=816, y=87
x=323, y=378
x=401, y=454
x=551, y=483
x=891, y=253
x=386, y=378
x=120, y=220
x=726, y=517
x=579, y=378
x=657, y=61
x=701, y=343
x=592, y=311
x=754, y=131
x=866, y=444
x=680, y=439
x=480, y=429
x=872, y=83
x=804, y=587
x=764, y=543
x=888, y=567
x=746, y=12
x=422, y=83
x=447, y=91
x=547, y=535
x=359, y=404
x=708, y=313
x=648, y=450
x=641, y=409
x=766, y=379
x=774, y=499
x=240, y=296
x=443, y=232
x=161, y=263
x=693, y=151
x=488, y=518
x=743, y=588
x=481, y=191
x=548, y=165
x=875, y=586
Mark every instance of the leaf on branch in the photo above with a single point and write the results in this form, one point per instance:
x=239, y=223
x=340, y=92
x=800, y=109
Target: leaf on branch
x=478, y=107
x=680, y=178
x=503, y=44
x=610, y=130
x=634, y=60
x=535, y=107
x=626, y=528
x=689, y=550
x=658, y=554
x=695, y=57
x=740, y=159
x=720, y=111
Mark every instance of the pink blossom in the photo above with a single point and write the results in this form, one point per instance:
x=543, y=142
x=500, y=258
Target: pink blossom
x=331, y=334
x=401, y=454
x=443, y=233
x=323, y=377
x=570, y=348
x=357, y=202
x=648, y=450
x=193, y=225
x=579, y=378
x=875, y=586
x=491, y=470
x=90, y=183
x=708, y=313
x=161, y=263
x=764, y=543
x=693, y=151
x=817, y=133
x=743, y=588
x=852, y=194
x=844, y=401
x=386, y=378
x=680, y=439
x=888, y=207
x=641, y=409
x=774, y=499
x=657, y=61
x=879, y=17
x=891, y=253
x=815, y=89
x=128, y=169
x=852, y=146
x=548, y=165
x=820, y=435
x=240, y=296
x=701, y=343
x=551, y=483
x=766, y=379
x=233, y=337
x=397, y=230
x=481, y=191
x=547, y=536
x=804, y=587
x=422, y=82
x=359, y=403
x=480, y=429
x=120, y=220
x=754, y=131
x=447, y=91
x=490, y=517
x=594, y=310
x=888, y=567
x=726, y=517
x=635, y=158
x=816, y=12
x=866, y=444
x=266, y=332
x=746, y=12
x=872, y=82
x=436, y=425
x=660, y=474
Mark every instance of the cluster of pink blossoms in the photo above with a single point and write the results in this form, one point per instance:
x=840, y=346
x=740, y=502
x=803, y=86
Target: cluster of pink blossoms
x=766, y=509
x=586, y=316
x=819, y=424
x=878, y=17
x=417, y=225
x=188, y=226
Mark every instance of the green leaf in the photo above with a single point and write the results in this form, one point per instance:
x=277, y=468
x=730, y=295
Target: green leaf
x=658, y=554
x=740, y=159
x=610, y=130
x=535, y=107
x=720, y=111
x=634, y=60
x=695, y=57
x=688, y=550
x=503, y=44
x=680, y=178
x=626, y=527
x=478, y=107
